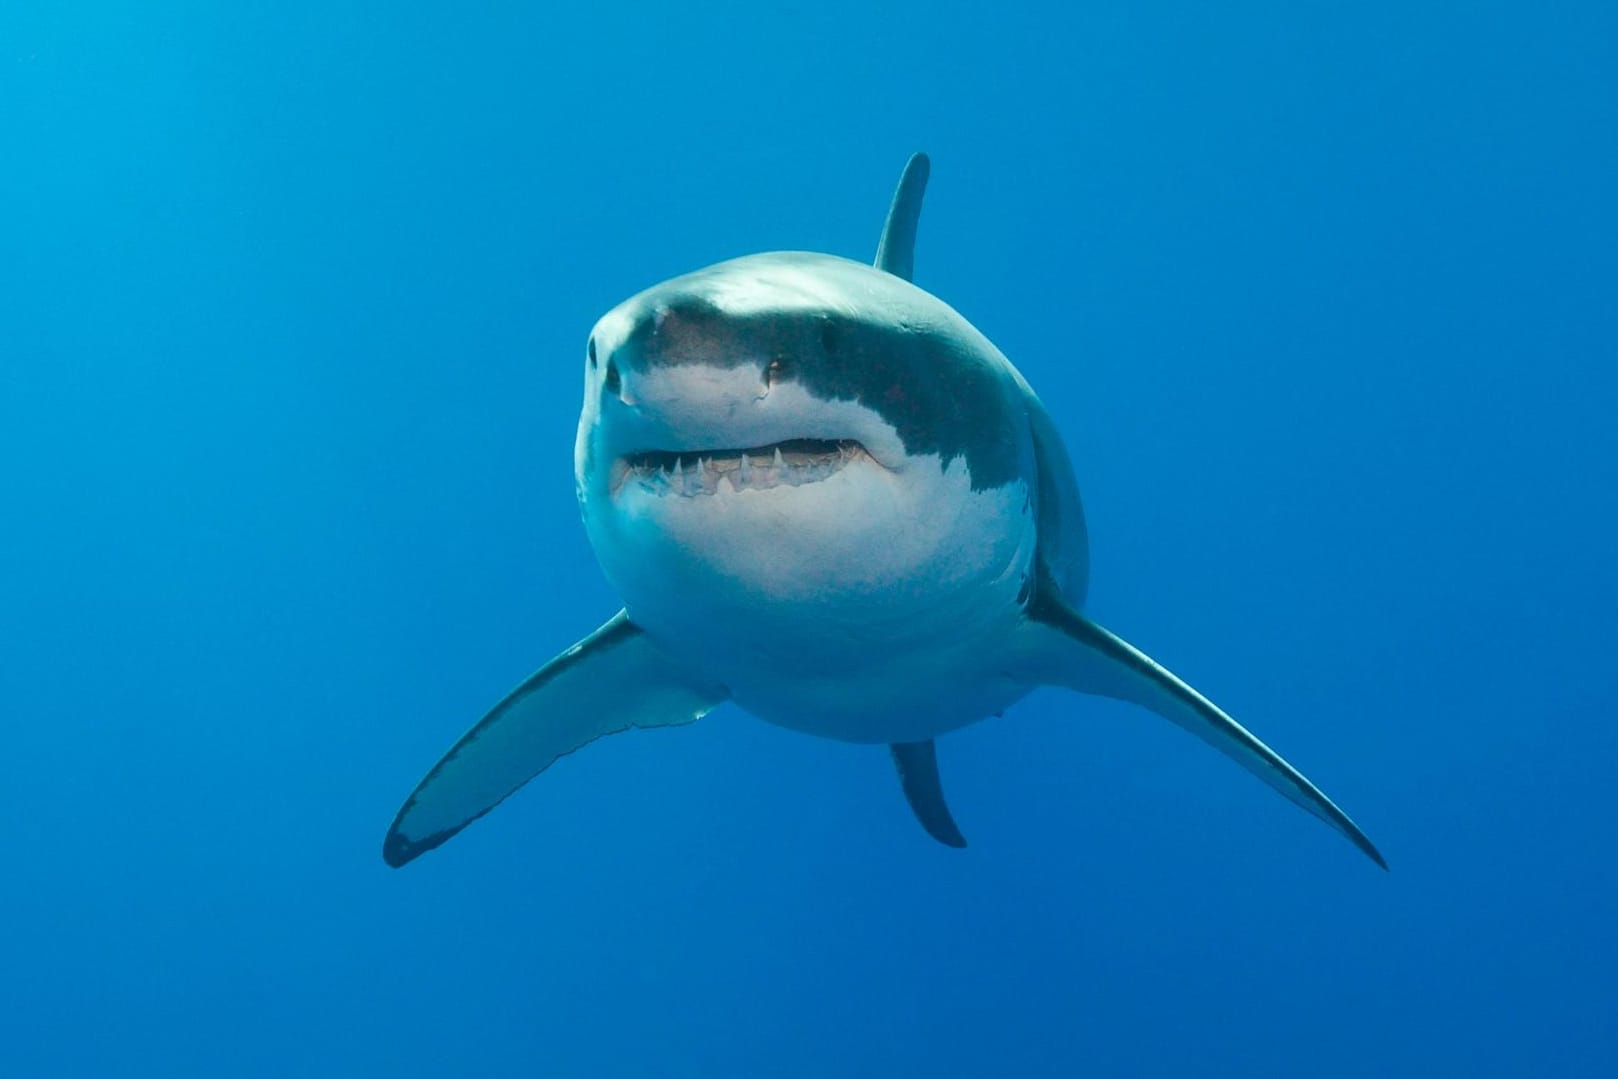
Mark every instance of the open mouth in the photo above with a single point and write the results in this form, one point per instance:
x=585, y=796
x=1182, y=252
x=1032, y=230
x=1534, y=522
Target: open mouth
x=792, y=463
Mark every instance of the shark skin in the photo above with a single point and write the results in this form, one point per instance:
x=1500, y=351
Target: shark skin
x=822, y=495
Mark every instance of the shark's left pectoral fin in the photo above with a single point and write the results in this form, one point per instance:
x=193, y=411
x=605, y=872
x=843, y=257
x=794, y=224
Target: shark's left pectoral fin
x=1067, y=649
x=611, y=681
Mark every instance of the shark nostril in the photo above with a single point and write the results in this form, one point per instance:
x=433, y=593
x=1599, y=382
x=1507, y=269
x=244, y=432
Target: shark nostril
x=613, y=381
x=591, y=351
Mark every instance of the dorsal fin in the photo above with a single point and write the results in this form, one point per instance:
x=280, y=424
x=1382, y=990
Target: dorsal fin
x=896, y=252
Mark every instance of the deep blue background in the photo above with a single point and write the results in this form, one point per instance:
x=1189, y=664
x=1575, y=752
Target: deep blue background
x=292, y=305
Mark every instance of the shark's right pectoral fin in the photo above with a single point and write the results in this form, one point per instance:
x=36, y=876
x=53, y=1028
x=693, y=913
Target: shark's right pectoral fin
x=1068, y=649
x=611, y=681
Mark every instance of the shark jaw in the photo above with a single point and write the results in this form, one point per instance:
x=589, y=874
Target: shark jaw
x=696, y=473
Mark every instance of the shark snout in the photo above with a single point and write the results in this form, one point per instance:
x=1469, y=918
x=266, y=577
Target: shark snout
x=673, y=405
x=612, y=382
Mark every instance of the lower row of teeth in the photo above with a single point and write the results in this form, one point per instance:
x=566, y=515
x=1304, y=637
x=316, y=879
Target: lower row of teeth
x=704, y=475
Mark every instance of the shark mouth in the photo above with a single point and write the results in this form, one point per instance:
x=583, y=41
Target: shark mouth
x=701, y=472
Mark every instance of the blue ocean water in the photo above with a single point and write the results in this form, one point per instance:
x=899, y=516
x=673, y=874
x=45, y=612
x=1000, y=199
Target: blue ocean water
x=293, y=299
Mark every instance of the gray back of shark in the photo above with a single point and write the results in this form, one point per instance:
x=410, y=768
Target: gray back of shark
x=825, y=496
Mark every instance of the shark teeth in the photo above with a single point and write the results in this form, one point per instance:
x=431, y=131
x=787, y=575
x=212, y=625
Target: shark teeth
x=689, y=474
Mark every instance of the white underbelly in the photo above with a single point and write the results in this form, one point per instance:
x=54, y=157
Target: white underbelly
x=906, y=699
x=872, y=606
x=858, y=660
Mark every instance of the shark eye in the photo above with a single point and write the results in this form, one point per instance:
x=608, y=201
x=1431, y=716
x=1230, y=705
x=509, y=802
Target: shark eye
x=828, y=336
x=592, y=352
x=772, y=372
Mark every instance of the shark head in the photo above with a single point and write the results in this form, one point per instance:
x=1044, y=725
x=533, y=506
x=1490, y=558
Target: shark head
x=803, y=441
x=706, y=426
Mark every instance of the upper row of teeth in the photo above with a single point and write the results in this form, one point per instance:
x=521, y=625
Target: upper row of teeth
x=740, y=463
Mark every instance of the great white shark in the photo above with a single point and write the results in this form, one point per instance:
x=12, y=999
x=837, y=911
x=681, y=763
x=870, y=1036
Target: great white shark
x=824, y=495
